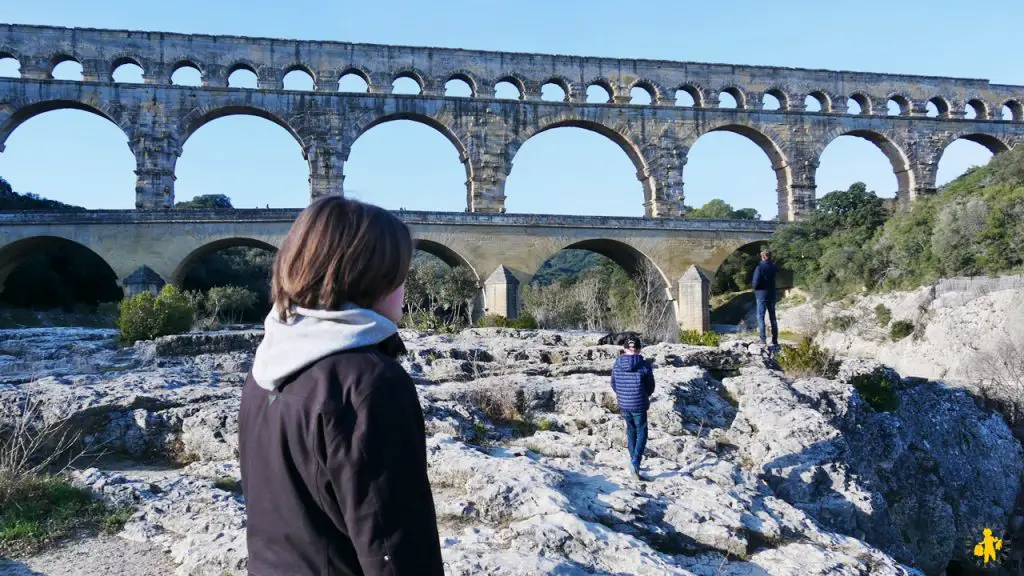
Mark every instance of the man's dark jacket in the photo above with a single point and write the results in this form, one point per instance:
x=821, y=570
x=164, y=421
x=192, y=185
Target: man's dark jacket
x=334, y=470
x=633, y=382
x=764, y=279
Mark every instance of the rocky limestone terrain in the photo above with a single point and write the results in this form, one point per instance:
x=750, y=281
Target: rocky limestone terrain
x=957, y=333
x=747, y=472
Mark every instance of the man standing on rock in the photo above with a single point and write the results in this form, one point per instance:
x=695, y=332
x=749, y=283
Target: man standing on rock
x=633, y=383
x=764, y=292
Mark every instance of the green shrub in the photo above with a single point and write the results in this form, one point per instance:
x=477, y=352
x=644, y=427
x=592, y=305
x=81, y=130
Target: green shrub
x=883, y=314
x=840, y=323
x=144, y=317
x=229, y=303
x=695, y=338
x=901, y=329
x=525, y=321
x=807, y=359
x=877, y=391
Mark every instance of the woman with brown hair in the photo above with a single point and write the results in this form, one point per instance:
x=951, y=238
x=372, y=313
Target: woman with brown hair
x=331, y=436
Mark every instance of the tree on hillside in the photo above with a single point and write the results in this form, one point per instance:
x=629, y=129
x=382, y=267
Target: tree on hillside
x=718, y=209
x=206, y=202
x=13, y=201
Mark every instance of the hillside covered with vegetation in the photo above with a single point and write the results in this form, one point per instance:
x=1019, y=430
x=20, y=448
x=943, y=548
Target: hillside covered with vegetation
x=854, y=242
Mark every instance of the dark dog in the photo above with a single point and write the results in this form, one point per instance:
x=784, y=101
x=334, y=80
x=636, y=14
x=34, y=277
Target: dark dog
x=617, y=338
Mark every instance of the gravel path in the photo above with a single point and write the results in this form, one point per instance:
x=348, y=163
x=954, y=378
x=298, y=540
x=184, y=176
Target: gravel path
x=100, y=556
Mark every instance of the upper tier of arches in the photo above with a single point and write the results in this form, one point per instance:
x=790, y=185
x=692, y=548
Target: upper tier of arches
x=320, y=66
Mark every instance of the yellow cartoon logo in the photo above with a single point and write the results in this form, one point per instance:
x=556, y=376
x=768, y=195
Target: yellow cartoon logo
x=987, y=549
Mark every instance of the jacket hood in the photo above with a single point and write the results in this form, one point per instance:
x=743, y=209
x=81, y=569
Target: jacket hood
x=630, y=362
x=309, y=335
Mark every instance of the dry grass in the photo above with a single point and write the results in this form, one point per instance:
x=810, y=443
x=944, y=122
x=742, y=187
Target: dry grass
x=32, y=441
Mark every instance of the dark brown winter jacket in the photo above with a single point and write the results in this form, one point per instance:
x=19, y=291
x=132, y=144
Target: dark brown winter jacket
x=334, y=470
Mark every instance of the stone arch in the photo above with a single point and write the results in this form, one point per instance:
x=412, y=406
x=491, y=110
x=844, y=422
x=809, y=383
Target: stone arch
x=59, y=58
x=768, y=141
x=15, y=253
x=442, y=125
x=561, y=82
x=359, y=72
x=8, y=52
x=780, y=95
x=620, y=136
x=417, y=76
x=121, y=59
x=864, y=102
x=902, y=100
x=992, y=143
x=824, y=100
x=602, y=83
x=445, y=254
x=24, y=111
x=193, y=257
x=653, y=89
x=244, y=64
x=185, y=62
x=979, y=107
x=1015, y=108
x=298, y=67
x=942, y=106
x=891, y=148
x=198, y=117
x=696, y=92
x=737, y=93
x=468, y=77
x=515, y=80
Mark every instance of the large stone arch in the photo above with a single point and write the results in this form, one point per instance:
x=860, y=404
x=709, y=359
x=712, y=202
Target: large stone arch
x=443, y=123
x=15, y=253
x=993, y=144
x=620, y=135
x=196, y=118
x=445, y=254
x=769, y=142
x=20, y=112
x=893, y=150
x=182, y=268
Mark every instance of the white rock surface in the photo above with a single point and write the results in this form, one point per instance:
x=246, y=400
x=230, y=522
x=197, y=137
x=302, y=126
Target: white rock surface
x=753, y=475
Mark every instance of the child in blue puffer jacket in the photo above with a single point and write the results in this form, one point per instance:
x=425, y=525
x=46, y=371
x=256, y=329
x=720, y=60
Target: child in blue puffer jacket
x=633, y=383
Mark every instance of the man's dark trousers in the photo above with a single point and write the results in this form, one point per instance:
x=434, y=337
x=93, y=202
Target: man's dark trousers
x=766, y=301
x=636, y=435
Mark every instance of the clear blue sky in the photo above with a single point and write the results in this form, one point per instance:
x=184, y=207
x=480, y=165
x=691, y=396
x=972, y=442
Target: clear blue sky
x=82, y=159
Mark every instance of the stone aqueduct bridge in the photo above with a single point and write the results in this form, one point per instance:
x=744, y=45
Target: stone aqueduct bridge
x=158, y=117
x=171, y=242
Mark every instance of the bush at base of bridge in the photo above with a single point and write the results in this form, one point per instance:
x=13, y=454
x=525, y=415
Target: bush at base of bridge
x=524, y=322
x=144, y=316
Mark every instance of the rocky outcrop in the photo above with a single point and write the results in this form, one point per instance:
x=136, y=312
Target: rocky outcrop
x=746, y=471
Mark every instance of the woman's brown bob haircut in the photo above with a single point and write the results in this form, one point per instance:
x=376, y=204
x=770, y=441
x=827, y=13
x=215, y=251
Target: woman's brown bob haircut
x=340, y=251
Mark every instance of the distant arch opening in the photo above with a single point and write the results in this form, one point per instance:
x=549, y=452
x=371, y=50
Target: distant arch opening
x=730, y=98
x=67, y=68
x=557, y=168
x=442, y=289
x=298, y=79
x=732, y=294
x=770, y=101
x=407, y=163
x=817, y=101
x=599, y=94
x=601, y=285
x=458, y=88
x=734, y=164
x=641, y=96
x=1012, y=110
x=352, y=81
x=406, y=85
x=898, y=106
x=937, y=108
x=975, y=109
x=247, y=155
x=858, y=104
x=243, y=77
x=865, y=157
x=506, y=89
x=186, y=74
x=231, y=278
x=97, y=167
x=687, y=96
x=127, y=72
x=51, y=273
x=9, y=67
x=964, y=154
x=554, y=91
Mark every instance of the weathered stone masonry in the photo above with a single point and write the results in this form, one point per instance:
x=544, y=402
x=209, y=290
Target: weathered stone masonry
x=159, y=117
